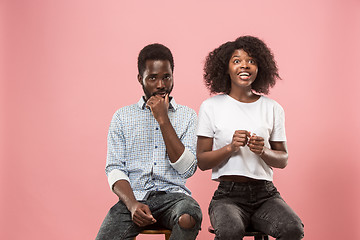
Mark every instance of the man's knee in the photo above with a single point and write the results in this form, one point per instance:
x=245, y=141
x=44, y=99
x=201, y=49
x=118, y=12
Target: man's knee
x=186, y=221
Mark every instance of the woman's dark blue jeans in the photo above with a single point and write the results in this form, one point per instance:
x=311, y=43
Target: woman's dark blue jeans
x=235, y=206
x=166, y=209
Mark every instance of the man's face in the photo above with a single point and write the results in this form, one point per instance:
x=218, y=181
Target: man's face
x=157, y=78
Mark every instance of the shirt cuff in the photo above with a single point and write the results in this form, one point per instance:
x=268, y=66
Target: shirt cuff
x=116, y=175
x=185, y=161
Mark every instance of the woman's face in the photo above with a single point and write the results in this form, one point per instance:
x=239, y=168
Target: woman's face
x=242, y=69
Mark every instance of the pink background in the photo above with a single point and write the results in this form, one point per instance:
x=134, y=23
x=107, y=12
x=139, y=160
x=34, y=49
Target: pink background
x=68, y=65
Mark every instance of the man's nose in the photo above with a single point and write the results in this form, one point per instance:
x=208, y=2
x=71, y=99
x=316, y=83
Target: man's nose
x=160, y=83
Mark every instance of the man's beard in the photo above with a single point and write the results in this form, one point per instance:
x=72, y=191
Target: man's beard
x=148, y=95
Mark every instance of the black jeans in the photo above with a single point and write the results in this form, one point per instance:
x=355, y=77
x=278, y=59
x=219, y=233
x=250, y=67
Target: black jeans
x=166, y=209
x=235, y=206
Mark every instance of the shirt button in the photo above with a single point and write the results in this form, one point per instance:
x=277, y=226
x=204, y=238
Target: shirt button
x=154, y=163
x=156, y=128
x=155, y=146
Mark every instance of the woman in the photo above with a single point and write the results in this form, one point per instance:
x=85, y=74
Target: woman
x=241, y=137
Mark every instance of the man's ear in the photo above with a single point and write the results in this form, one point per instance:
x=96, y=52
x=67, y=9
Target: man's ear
x=140, y=79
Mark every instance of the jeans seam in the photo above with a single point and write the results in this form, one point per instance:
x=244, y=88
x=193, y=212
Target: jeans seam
x=126, y=232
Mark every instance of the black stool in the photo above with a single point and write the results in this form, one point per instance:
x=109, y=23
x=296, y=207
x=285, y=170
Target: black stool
x=251, y=233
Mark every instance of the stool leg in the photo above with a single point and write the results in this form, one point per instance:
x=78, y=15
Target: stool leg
x=167, y=236
x=261, y=237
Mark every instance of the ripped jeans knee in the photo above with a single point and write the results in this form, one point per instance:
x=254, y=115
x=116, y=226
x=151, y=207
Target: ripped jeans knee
x=186, y=221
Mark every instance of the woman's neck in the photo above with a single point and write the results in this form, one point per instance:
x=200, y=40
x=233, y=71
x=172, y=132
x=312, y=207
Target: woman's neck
x=244, y=95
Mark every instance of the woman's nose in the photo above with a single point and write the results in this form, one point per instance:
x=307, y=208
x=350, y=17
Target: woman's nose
x=243, y=64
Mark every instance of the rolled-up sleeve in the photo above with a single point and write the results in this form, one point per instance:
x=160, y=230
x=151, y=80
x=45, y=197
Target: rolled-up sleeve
x=187, y=163
x=115, y=162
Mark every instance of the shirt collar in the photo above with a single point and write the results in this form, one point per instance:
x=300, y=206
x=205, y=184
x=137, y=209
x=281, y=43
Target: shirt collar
x=172, y=105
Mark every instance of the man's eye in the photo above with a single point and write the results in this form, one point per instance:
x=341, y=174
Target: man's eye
x=152, y=78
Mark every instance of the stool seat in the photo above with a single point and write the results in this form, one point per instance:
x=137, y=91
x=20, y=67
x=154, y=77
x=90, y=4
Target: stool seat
x=166, y=232
x=249, y=233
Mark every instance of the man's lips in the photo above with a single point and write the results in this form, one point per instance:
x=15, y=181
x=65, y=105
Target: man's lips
x=162, y=94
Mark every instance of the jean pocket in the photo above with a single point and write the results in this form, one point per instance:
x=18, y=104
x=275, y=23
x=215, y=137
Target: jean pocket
x=220, y=193
x=271, y=189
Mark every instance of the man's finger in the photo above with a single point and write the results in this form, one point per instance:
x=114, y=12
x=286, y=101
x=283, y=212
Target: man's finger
x=145, y=213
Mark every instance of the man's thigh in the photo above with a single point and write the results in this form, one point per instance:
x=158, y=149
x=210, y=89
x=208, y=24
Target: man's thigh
x=167, y=208
x=118, y=224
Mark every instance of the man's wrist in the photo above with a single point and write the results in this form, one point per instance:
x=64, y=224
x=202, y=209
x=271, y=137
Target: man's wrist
x=163, y=121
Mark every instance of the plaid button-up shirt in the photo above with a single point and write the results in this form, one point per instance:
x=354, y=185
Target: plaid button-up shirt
x=137, y=151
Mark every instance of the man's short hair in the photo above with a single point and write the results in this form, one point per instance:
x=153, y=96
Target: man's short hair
x=154, y=51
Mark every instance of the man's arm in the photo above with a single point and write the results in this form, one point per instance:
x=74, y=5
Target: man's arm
x=118, y=176
x=140, y=213
x=159, y=107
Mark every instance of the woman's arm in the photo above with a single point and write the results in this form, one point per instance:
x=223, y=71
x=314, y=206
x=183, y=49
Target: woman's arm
x=208, y=159
x=276, y=156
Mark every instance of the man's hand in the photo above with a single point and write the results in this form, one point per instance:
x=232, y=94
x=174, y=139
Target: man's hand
x=256, y=144
x=239, y=139
x=141, y=215
x=159, y=107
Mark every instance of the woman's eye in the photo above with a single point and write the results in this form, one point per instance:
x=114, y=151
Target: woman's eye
x=251, y=61
x=236, y=61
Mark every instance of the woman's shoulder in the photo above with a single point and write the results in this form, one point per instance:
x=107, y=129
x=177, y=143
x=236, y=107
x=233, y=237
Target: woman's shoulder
x=271, y=102
x=215, y=99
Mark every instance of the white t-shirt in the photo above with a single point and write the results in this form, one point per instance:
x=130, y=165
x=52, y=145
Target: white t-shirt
x=221, y=115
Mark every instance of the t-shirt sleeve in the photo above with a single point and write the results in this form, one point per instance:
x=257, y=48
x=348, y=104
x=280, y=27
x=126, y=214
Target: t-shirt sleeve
x=278, y=134
x=205, y=121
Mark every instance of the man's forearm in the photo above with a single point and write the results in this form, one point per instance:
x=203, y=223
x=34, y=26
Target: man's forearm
x=125, y=193
x=174, y=146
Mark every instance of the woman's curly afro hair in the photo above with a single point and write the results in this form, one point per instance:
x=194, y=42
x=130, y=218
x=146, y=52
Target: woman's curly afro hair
x=216, y=76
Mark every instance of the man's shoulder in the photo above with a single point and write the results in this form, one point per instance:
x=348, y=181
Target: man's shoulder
x=126, y=111
x=185, y=109
x=127, y=108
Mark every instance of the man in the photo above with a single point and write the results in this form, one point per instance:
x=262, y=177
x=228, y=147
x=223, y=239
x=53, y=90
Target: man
x=151, y=153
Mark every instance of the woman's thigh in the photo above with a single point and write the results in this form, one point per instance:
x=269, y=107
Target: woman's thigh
x=276, y=218
x=228, y=219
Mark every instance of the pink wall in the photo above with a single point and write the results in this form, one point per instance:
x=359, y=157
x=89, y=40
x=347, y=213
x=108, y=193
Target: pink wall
x=68, y=65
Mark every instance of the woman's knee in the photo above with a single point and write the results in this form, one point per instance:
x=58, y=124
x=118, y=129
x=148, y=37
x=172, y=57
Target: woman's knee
x=229, y=232
x=292, y=230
